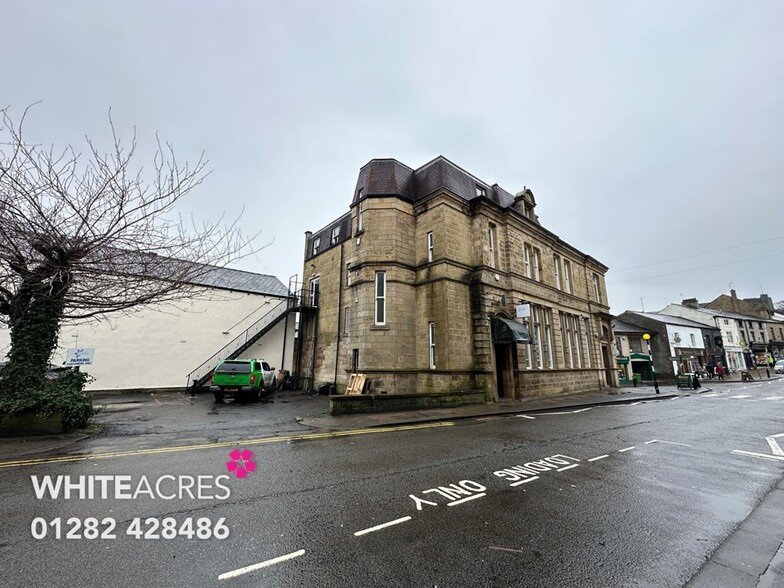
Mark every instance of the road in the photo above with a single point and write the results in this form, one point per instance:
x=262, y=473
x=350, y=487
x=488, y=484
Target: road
x=622, y=495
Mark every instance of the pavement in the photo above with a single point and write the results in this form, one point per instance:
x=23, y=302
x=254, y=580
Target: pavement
x=174, y=419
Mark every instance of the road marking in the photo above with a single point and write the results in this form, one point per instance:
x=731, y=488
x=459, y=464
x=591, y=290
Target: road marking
x=506, y=549
x=711, y=395
x=553, y=413
x=525, y=416
x=525, y=481
x=475, y=496
x=626, y=449
x=763, y=455
x=382, y=526
x=636, y=403
x=569, y=467
x=741, y=396
x=582, y=410
x=651, y=441
x=258, y=566
x=243, y=443
x=774, y=446
x=668, y=442
x=599, y=457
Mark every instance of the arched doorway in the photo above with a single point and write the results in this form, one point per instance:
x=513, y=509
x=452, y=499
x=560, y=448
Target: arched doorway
x=506, y=335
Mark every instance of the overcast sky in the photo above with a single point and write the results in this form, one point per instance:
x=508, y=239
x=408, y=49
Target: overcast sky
x=651, y=133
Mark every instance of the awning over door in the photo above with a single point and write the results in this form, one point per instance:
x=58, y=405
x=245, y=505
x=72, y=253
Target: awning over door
x=509, y=331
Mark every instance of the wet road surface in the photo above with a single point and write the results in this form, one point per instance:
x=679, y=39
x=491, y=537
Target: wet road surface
x=627, y=495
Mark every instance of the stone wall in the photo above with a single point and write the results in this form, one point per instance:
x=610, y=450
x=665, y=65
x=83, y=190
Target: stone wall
x=537, y=383
x=459, y=291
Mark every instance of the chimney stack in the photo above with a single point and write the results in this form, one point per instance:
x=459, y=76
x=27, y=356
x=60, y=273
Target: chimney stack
x=690, y=303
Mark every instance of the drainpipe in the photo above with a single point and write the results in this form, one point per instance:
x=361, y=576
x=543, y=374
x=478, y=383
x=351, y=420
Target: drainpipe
x=340, y=308
x=285, y=333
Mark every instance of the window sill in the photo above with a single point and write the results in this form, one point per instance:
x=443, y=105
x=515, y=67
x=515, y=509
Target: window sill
x=379, y=328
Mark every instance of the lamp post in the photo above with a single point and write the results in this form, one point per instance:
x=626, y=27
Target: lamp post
x=647, y=338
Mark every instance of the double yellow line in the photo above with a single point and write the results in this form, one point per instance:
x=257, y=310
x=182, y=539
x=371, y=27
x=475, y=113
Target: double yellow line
x=243, y=443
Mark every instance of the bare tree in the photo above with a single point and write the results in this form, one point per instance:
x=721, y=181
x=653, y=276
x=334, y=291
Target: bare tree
x=87, y=234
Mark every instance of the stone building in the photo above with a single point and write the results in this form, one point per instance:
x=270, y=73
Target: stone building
x=678, y=345
x=437, y=281
x=763, y=331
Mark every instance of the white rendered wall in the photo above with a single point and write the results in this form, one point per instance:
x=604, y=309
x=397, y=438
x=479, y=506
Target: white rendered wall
x=152, y=349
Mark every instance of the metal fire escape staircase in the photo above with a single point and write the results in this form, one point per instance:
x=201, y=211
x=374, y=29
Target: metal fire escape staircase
x=300, y=299
x=242, y=342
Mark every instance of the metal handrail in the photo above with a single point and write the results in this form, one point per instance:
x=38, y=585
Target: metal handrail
x=304, y=298
x=240, y=340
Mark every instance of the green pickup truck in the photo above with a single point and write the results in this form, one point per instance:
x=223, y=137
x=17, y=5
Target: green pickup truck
x=244, y=378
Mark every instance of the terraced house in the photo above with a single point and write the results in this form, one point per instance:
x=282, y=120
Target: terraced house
x=435, y=281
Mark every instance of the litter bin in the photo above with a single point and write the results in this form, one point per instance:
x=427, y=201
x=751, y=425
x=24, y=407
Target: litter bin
x=637, y=379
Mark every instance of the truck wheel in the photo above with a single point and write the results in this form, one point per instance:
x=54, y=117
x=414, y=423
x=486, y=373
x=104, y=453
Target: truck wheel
x=219, y=396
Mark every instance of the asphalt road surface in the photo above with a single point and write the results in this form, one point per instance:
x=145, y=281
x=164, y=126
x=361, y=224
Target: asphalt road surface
x=623, y=495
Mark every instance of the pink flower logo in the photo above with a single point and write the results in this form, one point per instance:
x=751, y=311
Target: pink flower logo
x=241, y=463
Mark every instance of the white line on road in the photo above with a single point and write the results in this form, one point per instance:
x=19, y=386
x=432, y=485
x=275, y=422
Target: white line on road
x=741, y=396
x=569, y=467
x=258, y=566
x=382, y=526
x=636, y=403
x=582, y=410
x=506, y=549
x=774, y=446
x=475, y=496
x=552, y=413
x=525, y=481
x=626, y=449
x=763, y=455
x=672, y=443
x=525, y=416
x=597, y=458
x=651, y=441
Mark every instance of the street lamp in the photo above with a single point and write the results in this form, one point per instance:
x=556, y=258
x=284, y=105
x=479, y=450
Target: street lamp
x=647, y=338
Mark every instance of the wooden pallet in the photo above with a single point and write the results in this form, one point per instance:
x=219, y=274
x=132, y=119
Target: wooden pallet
x=356, y=384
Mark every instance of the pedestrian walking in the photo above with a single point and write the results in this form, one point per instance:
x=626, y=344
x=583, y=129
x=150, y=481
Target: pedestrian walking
x=695, y=381
x=709, y=368
x=771, y=361
x=719, y=372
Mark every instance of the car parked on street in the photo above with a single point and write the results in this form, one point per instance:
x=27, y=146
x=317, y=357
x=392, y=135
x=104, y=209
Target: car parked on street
x=245, y=379
x=779, y=367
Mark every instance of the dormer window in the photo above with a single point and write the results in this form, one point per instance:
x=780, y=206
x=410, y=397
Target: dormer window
x=316, y=245
x=480, y=191
x=335, y=234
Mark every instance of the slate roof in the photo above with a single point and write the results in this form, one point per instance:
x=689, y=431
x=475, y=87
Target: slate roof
x=669, y=319
x=728, y=314
x=133, y=264
x=234, y=279
x=389, y=177
x=620, y=326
